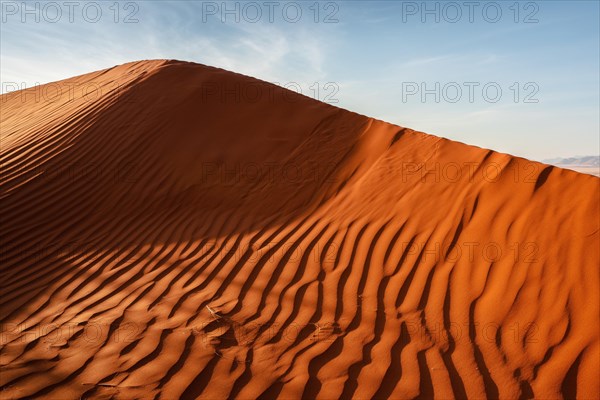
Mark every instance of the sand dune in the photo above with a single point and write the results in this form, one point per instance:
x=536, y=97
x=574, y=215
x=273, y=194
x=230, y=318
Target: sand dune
x=172, y=230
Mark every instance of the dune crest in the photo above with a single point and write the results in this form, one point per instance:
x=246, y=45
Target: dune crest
x=172, y=230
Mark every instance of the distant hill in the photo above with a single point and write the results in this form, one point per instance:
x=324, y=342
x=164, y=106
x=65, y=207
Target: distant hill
x=587, y=161
x=584, y=164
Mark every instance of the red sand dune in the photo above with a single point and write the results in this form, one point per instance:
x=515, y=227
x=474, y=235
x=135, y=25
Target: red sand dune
x=172, y=230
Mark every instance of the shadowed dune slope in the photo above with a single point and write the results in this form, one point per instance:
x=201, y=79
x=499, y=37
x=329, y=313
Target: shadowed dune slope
x=171, y=230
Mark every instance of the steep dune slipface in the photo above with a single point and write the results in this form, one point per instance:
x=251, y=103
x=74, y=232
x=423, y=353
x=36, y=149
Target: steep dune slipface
x=172, y=230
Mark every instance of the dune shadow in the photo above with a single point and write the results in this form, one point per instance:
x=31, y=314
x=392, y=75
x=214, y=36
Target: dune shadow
x=184, y=154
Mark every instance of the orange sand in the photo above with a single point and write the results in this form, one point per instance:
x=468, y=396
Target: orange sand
x=186, y=232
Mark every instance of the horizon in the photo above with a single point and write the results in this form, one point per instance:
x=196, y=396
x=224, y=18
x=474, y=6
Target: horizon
x=490, y=79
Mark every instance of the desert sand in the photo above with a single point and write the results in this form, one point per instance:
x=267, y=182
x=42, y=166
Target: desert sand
x=172, y=230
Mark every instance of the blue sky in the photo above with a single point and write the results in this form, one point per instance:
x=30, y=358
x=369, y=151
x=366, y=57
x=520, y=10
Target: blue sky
x=517, y=77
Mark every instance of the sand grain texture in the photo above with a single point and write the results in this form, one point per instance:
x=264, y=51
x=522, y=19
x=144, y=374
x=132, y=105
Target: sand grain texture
x=187, y=232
